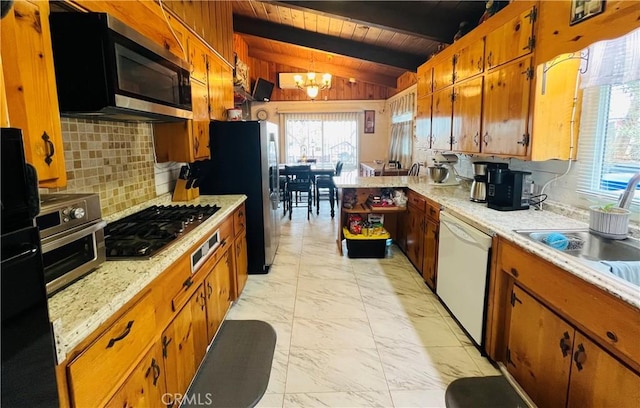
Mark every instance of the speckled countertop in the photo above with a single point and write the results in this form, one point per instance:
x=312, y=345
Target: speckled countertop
x=455, y=199
x=82, y=307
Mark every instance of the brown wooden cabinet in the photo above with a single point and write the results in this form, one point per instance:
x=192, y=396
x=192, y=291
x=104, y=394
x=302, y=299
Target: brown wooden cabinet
x=423, y=118
x=467, y=114
x=442, y=110
x=416, y=205
x=241, y=264
x=469, y=61
x=222, y=289
x=511, y=40
x=559, y=366
x=198, y=305
x=425, y=79
x=31, y=93
x=431, y=239
x=443, y=74
x=505, y=113
x=146, y=386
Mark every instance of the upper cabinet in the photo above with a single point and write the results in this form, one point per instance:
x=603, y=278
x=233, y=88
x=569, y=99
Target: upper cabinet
x=469, y=61
x=511, y=40
x=31, y=95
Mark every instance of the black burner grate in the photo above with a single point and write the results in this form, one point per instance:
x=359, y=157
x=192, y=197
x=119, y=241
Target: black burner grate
x=143, y=234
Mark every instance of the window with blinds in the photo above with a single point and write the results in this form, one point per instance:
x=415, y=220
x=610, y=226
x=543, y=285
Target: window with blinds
x=609, y=144
x=322, y=137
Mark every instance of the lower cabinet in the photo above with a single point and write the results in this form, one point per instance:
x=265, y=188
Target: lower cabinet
x=430, y=257
x=415, y=233
x=242, y=265
x=146, y=386
x=557, y=365
x=198, y=304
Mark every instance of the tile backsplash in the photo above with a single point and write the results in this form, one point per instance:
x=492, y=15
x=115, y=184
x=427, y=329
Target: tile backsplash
x=113, y=159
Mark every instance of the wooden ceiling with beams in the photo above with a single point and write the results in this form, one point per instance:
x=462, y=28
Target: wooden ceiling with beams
x=371, y=41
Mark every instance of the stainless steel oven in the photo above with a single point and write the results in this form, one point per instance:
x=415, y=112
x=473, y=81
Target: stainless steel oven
x=72, y=235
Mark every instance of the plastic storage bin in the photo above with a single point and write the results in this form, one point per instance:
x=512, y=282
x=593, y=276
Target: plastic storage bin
x=366, y=246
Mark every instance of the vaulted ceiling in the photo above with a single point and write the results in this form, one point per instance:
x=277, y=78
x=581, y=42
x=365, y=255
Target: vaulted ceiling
x=371, y=41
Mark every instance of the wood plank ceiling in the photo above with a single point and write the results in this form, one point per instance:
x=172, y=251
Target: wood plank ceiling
x=371, y=41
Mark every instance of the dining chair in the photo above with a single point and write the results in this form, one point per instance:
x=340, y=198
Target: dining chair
x=325, y=182
x=298, y=181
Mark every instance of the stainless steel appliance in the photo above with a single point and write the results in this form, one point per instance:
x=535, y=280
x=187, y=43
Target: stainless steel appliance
x=244, y=160
x=106, y=70
x=28, y=361
x=147, y=232
x=463, y=267
x=478, y=191
x=508, y=190
x=72, y=233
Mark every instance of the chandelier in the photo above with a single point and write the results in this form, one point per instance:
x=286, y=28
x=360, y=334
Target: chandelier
x=311, y=84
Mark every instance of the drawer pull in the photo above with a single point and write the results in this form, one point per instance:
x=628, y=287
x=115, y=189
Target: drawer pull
x=612, y=336
x=580, y=357
x=564, y=346
x=515, y=272
x=186, y=284
x=124, y=334
x=156, y=371
x=223, y=242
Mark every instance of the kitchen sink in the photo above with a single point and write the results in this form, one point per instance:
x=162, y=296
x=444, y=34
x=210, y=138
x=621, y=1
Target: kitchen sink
x=593, y=250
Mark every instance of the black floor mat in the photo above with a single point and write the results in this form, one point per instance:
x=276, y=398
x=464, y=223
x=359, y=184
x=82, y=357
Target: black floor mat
x=235, y=371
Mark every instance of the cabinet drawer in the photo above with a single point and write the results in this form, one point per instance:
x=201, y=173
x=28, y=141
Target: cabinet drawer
x=95, y=373
x=612, y=322
x=239, y=220
x=433, y=210
x=416, y=200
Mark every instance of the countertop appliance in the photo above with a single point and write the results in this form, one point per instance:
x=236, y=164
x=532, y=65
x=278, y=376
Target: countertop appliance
x=478, y=191
x=146, y=232
x=444, y=161
x=72, y=233
x=464, y=253
x=244, y=160
x=508, y=190
x=106, y=70
x=28, y=361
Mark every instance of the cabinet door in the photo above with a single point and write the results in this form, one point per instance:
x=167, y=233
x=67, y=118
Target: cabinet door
x=443, y=74
x=32, y=99
x=198, y=305
x=145, y=387
x=423, y=119
x=539, y=350
x=198, y=59
x=430, y=256
x=401, y=238
x=469, y=61
x=467, y=111
x=216, y=106
x=442, y=109
x=223, y=283
x=213, y=317
x=506, y=109
x=599, y=380
x=425, y=82
x=241, y=264
x=178, y=351
x=200, y=134
x=415, y=233
x=511, y=40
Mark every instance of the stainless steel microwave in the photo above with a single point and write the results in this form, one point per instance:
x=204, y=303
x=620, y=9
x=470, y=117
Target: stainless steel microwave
x=106, y=70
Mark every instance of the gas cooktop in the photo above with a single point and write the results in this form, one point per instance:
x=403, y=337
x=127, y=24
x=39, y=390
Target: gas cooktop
x=143, y=234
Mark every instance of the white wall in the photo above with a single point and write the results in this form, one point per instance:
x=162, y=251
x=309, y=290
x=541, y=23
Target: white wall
x=371, y=146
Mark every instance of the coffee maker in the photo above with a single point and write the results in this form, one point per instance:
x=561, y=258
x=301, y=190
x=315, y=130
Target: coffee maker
x=508, y=190
x=479, y=186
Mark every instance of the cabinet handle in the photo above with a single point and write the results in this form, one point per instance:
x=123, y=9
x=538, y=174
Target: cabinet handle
x=475, y=139
x=564, y=346
x=165, y=345
x=490, y=59
x=612, y=336
x=580, y=357
x=515, y=272
x=210, y=290
x=223, y=242
x=196, y=145
x=204, y=301
x=186, y=284
x=49, y=147
x=156, y=371
x=480, y=64
x=485, y=139
x=124, y=334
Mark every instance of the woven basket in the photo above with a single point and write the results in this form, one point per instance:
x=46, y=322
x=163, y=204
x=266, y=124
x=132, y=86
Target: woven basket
x=612, y=223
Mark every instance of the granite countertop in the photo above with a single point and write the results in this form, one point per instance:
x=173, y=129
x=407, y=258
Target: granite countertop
x=81, y=308
x=455, y=200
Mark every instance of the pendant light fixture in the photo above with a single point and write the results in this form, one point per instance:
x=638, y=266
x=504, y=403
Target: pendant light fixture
x=311, y=83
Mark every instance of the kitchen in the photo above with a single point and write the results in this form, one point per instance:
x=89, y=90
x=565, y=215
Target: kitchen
x=130, y=171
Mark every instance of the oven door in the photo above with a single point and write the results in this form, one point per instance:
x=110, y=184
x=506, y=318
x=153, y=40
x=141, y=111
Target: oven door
x=69, y=255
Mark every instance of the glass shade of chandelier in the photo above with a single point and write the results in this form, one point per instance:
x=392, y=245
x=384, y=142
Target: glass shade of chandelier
x=311, y=84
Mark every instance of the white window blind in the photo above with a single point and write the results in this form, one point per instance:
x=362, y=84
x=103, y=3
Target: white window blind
x=401, y=141
x=325, y=137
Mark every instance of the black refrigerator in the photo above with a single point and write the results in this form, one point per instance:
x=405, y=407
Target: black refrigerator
x=244, y=160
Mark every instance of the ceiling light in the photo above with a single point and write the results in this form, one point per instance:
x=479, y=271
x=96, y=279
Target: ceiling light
x=311, y=84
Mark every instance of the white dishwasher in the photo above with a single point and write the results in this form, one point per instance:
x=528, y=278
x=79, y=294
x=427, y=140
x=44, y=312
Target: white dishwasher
x=463, y=264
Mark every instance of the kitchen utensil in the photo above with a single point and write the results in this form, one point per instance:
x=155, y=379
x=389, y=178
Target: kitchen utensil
x=438, y=173
x=234, y=114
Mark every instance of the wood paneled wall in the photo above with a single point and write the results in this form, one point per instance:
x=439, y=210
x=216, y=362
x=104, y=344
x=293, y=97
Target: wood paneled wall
x=405, y=81
x=241, y=48
x=341, y=88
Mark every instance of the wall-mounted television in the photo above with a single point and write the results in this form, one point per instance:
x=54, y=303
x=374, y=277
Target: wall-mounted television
x=262, y=90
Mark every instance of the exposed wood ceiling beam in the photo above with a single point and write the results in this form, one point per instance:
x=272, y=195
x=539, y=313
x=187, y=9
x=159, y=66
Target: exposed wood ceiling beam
x=327, y=43
x=337, y=70
x=410, y=17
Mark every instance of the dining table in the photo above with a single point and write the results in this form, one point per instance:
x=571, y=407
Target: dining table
x=317, y=169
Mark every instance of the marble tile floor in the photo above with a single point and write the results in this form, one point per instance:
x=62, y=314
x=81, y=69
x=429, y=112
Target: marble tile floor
x=353, y=332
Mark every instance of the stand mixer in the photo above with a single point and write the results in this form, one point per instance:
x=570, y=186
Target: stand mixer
x=446, y=160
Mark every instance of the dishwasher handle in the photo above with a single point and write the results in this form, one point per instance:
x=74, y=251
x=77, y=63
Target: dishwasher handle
x=465, y=232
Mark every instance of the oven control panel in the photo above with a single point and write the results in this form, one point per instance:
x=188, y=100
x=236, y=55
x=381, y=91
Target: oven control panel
x=63, y=212
x=200, y=255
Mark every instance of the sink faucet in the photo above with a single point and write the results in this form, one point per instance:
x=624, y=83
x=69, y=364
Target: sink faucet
x=627, y=196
